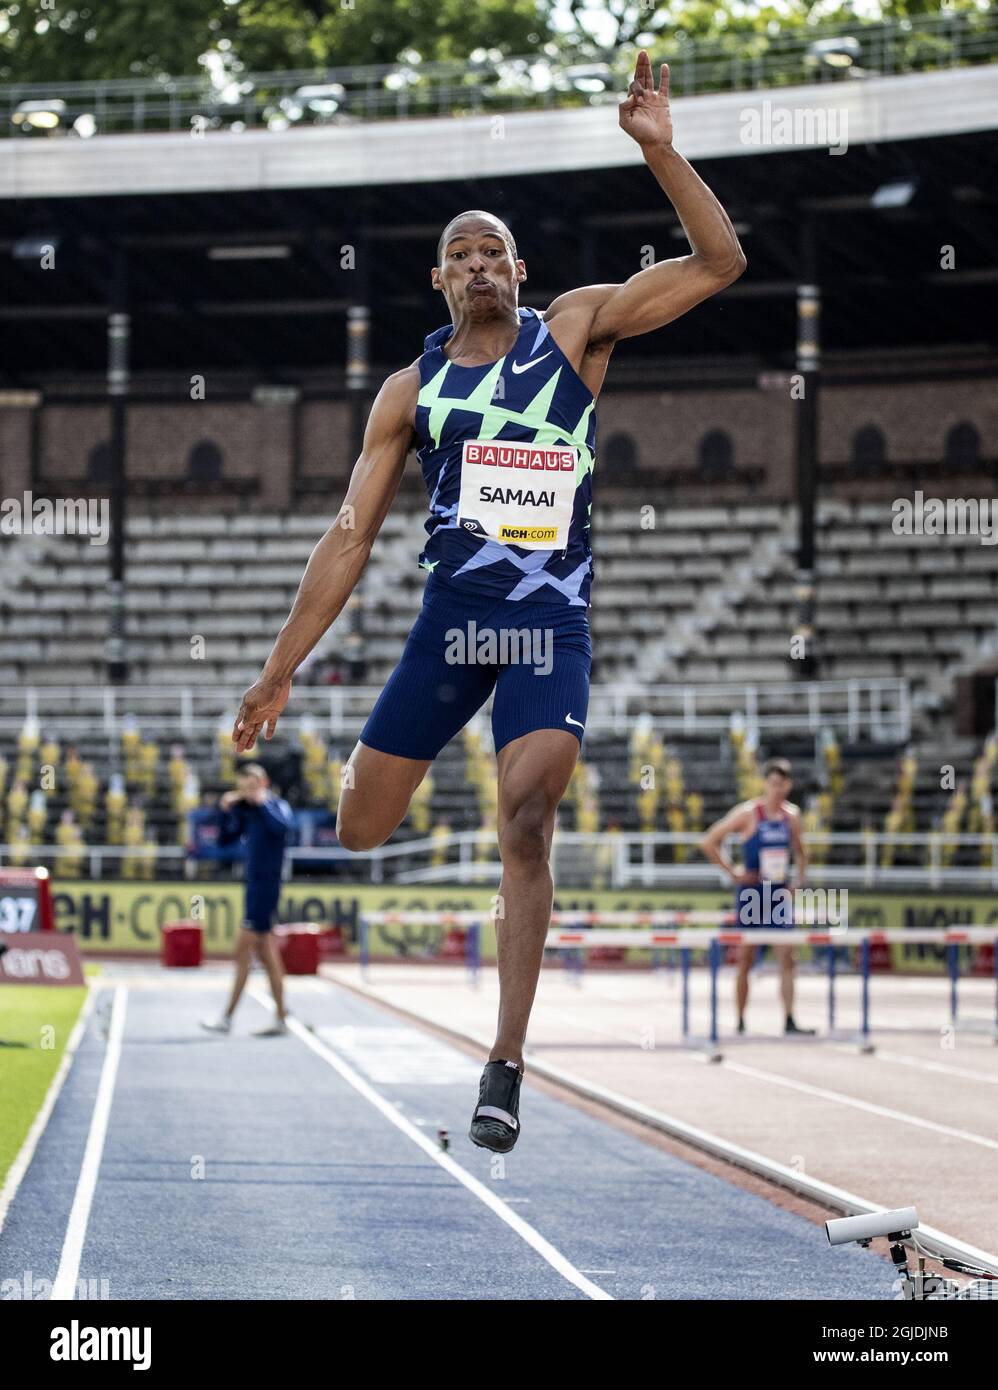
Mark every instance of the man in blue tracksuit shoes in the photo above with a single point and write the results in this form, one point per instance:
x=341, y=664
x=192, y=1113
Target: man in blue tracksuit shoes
x=262, y=820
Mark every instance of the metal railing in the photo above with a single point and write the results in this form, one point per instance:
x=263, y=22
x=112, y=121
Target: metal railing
x=628, y=860
x=878, y=709
x=234, y=99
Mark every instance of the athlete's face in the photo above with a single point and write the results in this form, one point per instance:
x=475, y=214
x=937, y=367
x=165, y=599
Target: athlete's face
x=478, y=273
x=251, y=785
x=778, y=786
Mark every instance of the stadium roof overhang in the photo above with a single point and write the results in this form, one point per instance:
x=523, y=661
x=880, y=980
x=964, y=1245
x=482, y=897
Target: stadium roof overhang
x=581, y=204
x=713, y=126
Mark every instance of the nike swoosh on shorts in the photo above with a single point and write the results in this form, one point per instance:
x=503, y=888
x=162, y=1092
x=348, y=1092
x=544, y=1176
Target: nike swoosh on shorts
x=570, y=720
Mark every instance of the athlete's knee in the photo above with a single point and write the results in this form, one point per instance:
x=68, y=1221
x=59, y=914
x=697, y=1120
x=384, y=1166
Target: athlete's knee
x=527, y=829
x=357, y=835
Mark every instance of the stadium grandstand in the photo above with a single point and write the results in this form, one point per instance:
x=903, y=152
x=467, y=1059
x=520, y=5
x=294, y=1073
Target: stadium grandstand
x=208, y=277
x=271, y=276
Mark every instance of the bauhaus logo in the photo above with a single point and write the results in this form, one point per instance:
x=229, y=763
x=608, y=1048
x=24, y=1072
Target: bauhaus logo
x=536, y=457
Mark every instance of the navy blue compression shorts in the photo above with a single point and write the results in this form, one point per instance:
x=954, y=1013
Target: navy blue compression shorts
x=535, y=656
x=261, y=905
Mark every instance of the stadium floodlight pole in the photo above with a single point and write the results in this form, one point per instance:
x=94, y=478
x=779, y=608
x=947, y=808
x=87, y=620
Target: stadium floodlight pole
x=358, y=381
x=809, y=371
x=118, y=342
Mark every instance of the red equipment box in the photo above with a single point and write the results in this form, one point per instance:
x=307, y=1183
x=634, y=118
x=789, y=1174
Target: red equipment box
x=181, y=944
x=298, y=944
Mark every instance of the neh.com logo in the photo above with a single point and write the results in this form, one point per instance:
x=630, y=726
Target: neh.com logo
x=541, y=458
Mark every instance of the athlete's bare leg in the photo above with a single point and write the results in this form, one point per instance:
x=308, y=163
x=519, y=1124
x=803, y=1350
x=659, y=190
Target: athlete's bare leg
x=533, y=773
x=746, y=954
x=269, y=957
x=377, y=789
x=785, y=956
x=244, y=958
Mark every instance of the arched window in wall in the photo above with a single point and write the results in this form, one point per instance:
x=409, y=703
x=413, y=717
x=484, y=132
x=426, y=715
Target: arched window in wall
x=869, y=449
x=715, y=457
x=619, y=457
x=99, y=463
x=963, y=446
x=204, y=462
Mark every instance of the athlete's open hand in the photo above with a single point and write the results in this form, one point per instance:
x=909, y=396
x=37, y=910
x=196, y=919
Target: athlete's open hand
x=645, y=114
x=261, y=705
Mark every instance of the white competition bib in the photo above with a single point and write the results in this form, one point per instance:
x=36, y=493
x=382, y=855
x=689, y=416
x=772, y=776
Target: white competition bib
x=773, y=865
x=517, y=494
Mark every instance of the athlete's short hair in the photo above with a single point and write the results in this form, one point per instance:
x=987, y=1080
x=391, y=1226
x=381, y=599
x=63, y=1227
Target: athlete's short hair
x=504, y=231
x=251, y=770
x=780, y=765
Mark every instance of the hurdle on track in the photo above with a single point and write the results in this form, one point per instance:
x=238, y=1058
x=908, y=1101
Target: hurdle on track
x=703, y=930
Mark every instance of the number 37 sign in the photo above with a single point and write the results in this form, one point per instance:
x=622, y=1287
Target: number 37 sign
x=25, y=902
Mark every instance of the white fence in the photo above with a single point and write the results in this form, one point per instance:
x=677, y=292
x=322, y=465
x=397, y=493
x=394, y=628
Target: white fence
x=868, y=709
x=618, y=861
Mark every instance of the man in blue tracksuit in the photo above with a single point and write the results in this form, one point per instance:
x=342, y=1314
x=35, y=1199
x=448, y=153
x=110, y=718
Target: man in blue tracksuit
x=262, y=820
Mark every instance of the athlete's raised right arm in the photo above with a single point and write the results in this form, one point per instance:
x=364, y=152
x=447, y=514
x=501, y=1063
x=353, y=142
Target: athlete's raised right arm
x=338, y=560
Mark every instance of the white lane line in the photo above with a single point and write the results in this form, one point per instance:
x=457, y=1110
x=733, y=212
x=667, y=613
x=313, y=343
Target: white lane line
x=64, y=1286
x=560, y=1015
x=854, y=1103
x=942, y=1068
x=27, y=1151
x=523, y=1229
x=394, y=1056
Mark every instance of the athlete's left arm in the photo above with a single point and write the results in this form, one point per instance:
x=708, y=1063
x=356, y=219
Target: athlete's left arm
x=663, y=292
x=797, y=841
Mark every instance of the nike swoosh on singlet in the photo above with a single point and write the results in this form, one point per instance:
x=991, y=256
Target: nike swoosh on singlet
x=519, y=367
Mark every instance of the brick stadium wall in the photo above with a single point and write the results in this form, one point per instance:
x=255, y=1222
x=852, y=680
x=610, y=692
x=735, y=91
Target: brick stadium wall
x=255, y=444
x=659, y=431
x=15, y=451
x=326, y=442
x=914, y=419
x=666, y=428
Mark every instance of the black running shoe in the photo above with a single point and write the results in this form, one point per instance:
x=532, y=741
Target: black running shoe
x=495, y=1124
x=801, y=1032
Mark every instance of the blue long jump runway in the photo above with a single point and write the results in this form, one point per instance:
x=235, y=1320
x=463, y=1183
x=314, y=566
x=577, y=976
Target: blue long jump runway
x=308, y=1167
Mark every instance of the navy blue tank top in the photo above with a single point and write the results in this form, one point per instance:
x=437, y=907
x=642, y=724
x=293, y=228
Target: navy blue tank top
x=766, y=852
x=507, y=451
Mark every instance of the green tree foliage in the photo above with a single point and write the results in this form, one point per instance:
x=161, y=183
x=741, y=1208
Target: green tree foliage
x=88, y=40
